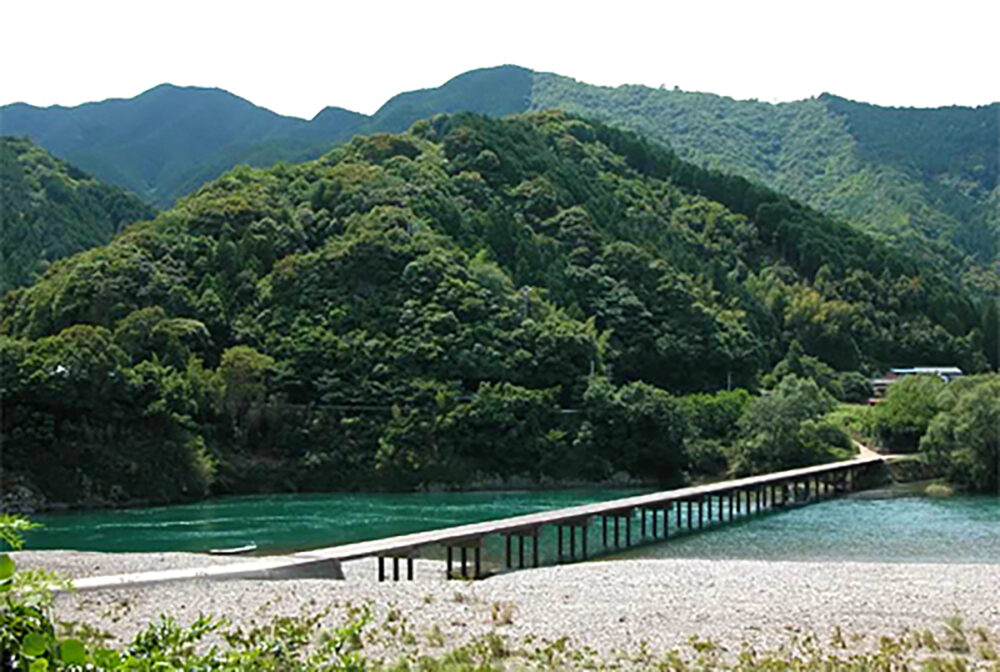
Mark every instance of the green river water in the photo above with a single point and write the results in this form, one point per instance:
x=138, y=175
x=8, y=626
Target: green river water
x=281, y=523
x=862, y=527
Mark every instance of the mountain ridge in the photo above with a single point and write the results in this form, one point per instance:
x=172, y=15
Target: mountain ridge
x=843, y=157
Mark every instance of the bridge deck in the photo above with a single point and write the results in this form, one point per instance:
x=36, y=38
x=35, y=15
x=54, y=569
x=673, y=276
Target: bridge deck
x=566, y=516
x=298, y=563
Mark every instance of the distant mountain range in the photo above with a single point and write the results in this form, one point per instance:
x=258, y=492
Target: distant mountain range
x=926, y=178
x=168, y=141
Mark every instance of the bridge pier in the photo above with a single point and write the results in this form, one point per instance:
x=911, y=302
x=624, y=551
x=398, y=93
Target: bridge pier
x=405, y=554
x=463, y=547
x=584, y=525
x=521, y=535
x=655, y=512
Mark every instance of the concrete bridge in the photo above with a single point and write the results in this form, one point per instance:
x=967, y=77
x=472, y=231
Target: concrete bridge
x=692, y=508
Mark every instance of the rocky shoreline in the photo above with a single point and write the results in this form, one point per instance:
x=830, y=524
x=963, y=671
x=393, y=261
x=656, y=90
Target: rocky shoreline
x=608, y=606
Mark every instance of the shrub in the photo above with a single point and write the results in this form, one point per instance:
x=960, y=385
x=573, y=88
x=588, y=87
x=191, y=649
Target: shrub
x=904, y=416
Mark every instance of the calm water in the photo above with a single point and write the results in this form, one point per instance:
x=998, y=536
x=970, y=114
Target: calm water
x=865, y=527
x=861, y=528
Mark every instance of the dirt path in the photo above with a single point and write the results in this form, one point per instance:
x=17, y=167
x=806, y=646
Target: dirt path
x=865, y=451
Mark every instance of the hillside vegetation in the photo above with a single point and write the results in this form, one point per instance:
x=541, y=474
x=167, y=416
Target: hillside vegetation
x=475, y=298
x=50, y=209
x=926, y=179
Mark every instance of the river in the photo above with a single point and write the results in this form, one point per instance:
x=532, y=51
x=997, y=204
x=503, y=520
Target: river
x=871, y=526
x=291, y=522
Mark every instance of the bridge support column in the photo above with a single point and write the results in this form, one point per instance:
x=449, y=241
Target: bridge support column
x=396, y=556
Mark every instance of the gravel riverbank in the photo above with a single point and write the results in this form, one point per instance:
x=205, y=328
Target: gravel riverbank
x=609, y=606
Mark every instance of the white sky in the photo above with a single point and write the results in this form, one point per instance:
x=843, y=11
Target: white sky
x=296, y=57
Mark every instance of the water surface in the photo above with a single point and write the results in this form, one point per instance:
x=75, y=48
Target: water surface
x=288, y=522
x=861, y=527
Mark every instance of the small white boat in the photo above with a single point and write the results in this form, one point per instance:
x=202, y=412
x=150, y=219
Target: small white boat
x=233, y=551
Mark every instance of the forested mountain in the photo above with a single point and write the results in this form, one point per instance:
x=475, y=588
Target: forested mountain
x=169, y=140
x=495, y=92
x=50, y=209
x=422, y=308
x=926, y=178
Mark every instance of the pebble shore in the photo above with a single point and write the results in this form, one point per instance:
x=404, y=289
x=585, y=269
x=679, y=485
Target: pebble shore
x=610, y=606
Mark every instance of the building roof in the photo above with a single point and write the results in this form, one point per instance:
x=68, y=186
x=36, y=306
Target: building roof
x=929, y=370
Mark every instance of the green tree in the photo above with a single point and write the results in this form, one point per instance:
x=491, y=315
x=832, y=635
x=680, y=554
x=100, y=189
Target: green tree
x=244, y=373
x=964, y=436
x=636, y=428
x=779, y=431
x=909, y=406
x=797, y=363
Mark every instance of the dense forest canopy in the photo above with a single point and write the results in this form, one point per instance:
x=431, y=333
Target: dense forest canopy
x=50, y=209
x=924, y=178
x=474, y=298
